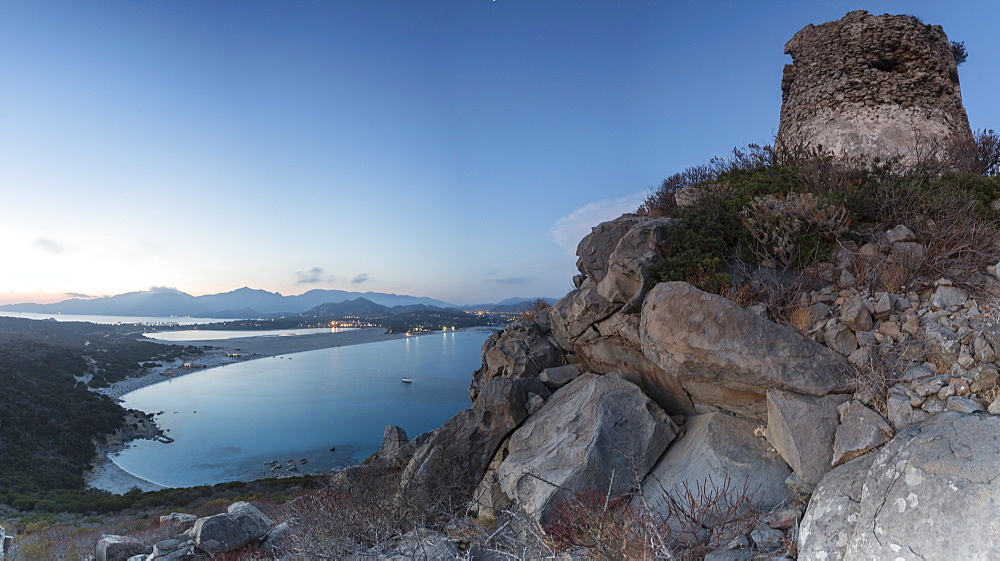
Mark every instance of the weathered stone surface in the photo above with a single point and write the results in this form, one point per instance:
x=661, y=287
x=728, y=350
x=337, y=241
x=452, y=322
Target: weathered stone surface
x=595, y=248
x=963, y=404
x=900, y=234
x=5, y=543
x=456, y=455
x=576, y=312
x=397, y=448
x=520, y=350
x=240, y=525
x=719, y=445
x=872, y=85
x=596, y=433
x=945, y=297
x=119, y=548
x=728, y=357
x=943, y=469
x=616, y=348
x=802, y=430
x=558, y=376
x=942, y=345
x=861, y=430
x=910, y=255
x=628, y=264
x=829, y=521
x=901, y=412
x=841, y=339
x=854, y=313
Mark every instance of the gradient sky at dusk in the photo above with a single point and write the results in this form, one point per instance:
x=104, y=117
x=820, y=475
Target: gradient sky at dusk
x=457, y=150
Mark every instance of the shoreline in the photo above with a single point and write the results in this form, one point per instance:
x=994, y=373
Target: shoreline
x=248, y=348
x=109, y=476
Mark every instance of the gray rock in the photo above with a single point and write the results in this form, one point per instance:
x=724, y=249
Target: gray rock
x=861, y=430
x=802, y=430
x=943, y=469
x=719, y=446
x=983, y=350
x=119, y=548
x=520, y=350
x=731, y=555
x=574, y=314
x=595, y=248
x=727, y=357
x=828, y=523
x=934, y=405
x=900, y=234
x=393, y=440
x=902, y=413
x=767, y=539
x=5, y=543
x=841, y=339
x=963, y=404
x=598, y=432
x=617, y=349
x=945, y=297
x=456, y=455
x=242, y=524
x=628, y=265
x=882, y=307
x=928, y=386
x=556, y=377
x=910, y=255
x=854, y=313
x=916, y=372
x=994, y=408
x=535, y=402
x=942, y=344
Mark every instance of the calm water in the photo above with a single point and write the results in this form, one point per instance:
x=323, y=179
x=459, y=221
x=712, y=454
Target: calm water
x=229, y=421
x=114, y=320
x=214, y=335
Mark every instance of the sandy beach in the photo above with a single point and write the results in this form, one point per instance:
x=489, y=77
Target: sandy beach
x=108, y=476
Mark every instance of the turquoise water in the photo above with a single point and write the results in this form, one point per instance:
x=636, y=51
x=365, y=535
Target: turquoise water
x=229, y=421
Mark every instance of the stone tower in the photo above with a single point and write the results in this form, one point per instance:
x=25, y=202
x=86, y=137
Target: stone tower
x=873, y=85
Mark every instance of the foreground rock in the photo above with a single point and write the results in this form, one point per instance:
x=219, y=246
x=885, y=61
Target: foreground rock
x=930, y=493
x=718, y=447
x=453, y=459
x=802, y=430
x=729, y=357
x=598, y=433
x=242, y=524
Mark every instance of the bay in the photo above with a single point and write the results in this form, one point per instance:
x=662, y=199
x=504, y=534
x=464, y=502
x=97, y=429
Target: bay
x=218, y=335
x=229, y=421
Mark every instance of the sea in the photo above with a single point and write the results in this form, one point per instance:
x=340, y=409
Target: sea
x=115, y=320
x=318, y=410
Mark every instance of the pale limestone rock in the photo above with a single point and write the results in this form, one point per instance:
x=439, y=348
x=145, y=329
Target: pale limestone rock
x=596, y=247
x=829, y=521
x=900, y=234
x=240, y=525
x=802, y=430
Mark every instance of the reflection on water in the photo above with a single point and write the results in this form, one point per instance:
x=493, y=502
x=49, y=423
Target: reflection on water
x=228, y=422
x=214, y=335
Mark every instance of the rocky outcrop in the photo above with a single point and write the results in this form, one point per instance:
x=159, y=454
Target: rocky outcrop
x=628, y=265
x=729, y=357
x=595, y=249
x=716, y=448
x=240, y=525
x=598, y=433
x=874, y=85
x=521, y=350
x=119, y=548
x=455, y=456
x=943, y=469
x=397, y=449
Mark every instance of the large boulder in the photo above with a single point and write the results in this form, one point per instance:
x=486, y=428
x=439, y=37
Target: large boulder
x=456, y=455
x=629, y=264
x=616, y=348
x=520, y=350
x=802, y=430
x=242, y=524
x=729, y=357
x=932, y=493
x=716, y=447
x=598, y=433
x=829, y=521
x=397, y=449
x=595, y=248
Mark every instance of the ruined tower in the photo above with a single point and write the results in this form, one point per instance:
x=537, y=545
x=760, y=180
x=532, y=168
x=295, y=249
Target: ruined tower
x=873, y=85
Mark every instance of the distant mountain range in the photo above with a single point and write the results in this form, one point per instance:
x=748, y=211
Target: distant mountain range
x=246, y=303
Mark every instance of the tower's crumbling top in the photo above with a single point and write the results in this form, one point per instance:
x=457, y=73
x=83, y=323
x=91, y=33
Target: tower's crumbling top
x=873, y=85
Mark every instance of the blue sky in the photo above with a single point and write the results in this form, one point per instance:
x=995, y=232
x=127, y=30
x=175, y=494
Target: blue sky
x=457, y=150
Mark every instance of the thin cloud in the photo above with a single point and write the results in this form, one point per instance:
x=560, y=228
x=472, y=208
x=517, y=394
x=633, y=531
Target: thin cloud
x=312, y=276
x=51, y=246
x=570, y=229
x=78, y=295
x=510, y=280
x=360, y=278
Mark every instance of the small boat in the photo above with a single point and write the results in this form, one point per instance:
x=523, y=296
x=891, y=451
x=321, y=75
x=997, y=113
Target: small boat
x=407, y=381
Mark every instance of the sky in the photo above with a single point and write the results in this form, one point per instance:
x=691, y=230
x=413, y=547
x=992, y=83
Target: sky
x=451, y=149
